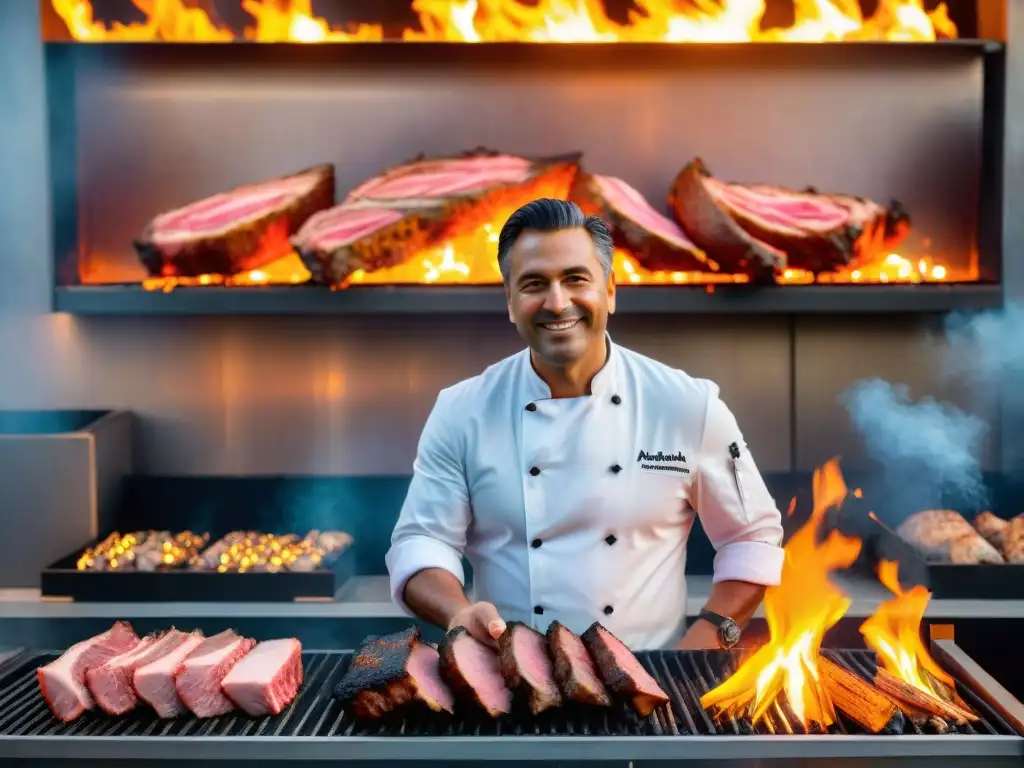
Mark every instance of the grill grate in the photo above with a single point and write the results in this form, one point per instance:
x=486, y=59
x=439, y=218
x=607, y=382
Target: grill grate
x=684, y=676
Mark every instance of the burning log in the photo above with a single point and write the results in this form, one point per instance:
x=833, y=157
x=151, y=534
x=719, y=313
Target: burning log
x=867, y=706
x=916, y=699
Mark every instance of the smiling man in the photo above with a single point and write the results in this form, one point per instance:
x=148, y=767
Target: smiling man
x=569, y=474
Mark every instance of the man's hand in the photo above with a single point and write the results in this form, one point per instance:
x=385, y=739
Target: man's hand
x=481, y=620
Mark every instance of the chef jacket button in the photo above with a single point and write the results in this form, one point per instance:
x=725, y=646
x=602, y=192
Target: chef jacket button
x=610, y=539
x=535, y=543
x=538, y=609
x=534, y=471
x=616, y=399
x=615, y=468
x=531, y=407
x=608, y=610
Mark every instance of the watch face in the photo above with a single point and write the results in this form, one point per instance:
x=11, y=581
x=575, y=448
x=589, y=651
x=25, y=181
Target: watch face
x=729, y=633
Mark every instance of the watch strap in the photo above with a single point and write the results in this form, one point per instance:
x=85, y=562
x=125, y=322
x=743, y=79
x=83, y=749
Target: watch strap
x=715, y=618
x=728, y=630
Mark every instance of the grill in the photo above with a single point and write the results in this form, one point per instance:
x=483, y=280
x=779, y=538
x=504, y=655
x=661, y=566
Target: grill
x=316, y=726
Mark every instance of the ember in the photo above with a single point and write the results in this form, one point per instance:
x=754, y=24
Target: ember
x=799, y=612
x=533, y=21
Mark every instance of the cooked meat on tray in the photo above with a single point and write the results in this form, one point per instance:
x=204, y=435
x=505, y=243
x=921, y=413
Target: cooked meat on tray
x=472, y=671
x=653, y=240
x=388, y=672
x=267, y=679
x=622, y=673
x=768, y=228
x=62, y=681
x=944, y=536
x=245, y=551
x=154, y=682
x=198, y=681
x=1014, y=547
x=526, y=667
x=173, y=672
x=422, y=204
x=234, y=231
x=574, y=669
x=993, y=528
x=142, y=551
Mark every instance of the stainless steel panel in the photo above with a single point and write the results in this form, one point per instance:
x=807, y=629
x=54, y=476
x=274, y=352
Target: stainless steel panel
x=830, y=356
x=157, y=134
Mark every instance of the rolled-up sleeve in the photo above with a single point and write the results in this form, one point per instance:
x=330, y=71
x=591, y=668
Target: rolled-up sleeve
x=431, y=528
x=735, y=507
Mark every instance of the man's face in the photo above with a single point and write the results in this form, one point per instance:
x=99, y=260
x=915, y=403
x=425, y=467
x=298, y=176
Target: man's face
x=557, y=294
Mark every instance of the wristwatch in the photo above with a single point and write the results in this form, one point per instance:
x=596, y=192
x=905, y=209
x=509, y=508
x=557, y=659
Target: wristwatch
x=728, y=630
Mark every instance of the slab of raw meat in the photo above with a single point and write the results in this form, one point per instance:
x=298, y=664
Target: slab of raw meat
x=526, y=666
x=573, y=668
x=620, y=670
x=62, y=681
x=200, y=675
x=154, y=682
x=235, y=231
x=765, y=229
x=267, y=679
x=423, y=204
x=652, y=239
x=390, y=671
x=472, y=671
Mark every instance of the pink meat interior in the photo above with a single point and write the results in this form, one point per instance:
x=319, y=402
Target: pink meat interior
x=580, y=661
x=630, y=203
x=479, y=664
x=531, y=651
x=422, y=666
x=629, y=663
x=341, y=226
x=434, y=179
x=792, y=211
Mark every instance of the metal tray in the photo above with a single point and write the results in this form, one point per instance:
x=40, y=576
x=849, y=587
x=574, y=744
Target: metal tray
x=63, y=580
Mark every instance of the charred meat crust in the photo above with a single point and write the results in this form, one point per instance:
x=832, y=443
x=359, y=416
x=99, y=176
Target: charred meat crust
x=453, y=675
x=652, y=251
x=537, y=700
x=569, y=683
x=378, y=662
x=715, y=231
x=618, y=680
x=237, y=248
x=427, y=226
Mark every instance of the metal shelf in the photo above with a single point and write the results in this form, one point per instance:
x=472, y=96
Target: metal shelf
x=670, y=300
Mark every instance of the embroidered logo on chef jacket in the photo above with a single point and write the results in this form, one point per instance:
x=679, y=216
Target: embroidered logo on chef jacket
x=663, y=462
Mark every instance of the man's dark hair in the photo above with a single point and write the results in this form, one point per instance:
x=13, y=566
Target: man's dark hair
x=548, y=215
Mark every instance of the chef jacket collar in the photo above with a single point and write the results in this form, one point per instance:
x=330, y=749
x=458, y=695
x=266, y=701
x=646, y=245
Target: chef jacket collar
x=604, y=384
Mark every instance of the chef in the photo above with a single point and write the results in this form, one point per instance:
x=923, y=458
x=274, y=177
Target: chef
x=570, y=473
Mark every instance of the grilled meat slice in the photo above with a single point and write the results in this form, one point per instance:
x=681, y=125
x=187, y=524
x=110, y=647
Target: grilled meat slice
x=526, y=667
x=621, y=671
x=1013, y=547
x=944, y=536
x=112, y=684
x=993, y=528
x=388, y=672
x=267, y=679
x=472, y=671
x=200, y=675
x=154, y=682
x=573, y=668
x=62, y=681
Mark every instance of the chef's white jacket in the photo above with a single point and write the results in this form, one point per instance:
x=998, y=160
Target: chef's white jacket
x=578, y=509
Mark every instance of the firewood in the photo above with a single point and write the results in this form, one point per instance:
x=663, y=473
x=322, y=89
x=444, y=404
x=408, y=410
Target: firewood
x=947, y=693
x=867, y=706
x=906, y=693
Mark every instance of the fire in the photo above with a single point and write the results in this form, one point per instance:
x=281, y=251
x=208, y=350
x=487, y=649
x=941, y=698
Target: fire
x=535, y=21
x=894, y=633
x=799, y=612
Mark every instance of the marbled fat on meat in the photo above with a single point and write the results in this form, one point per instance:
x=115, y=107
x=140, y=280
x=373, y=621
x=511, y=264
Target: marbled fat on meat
x=62, y=681
x=199, y=678
x=267, y=679
x=154, y=682
x=472, y=671
x=526, y=667
x=574, y=669
x=621, y=671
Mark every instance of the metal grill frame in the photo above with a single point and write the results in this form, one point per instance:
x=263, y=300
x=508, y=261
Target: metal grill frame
x=316, y=727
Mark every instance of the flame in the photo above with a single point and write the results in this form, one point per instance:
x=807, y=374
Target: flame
x=894, y=633
x=536, y=21
x=799, y=612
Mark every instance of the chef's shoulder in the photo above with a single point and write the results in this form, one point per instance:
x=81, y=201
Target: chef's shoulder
x=671, y=389
x=458, y=404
